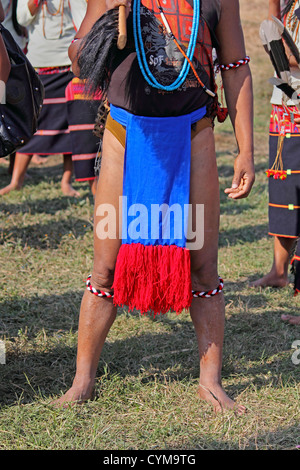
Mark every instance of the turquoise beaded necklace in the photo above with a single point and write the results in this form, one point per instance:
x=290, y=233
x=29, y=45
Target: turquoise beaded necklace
x=141, y=55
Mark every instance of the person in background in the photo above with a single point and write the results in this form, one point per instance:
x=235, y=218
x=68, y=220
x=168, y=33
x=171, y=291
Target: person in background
x=51, y=26
x=284, y=223
x=10, y=22
x=19, y=34
x=82, y=111
x=284, y=218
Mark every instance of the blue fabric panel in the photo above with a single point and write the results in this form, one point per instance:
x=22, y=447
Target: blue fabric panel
x=156, y=177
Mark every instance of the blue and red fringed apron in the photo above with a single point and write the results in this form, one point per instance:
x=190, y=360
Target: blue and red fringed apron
x=153, y=265
x=153, y=269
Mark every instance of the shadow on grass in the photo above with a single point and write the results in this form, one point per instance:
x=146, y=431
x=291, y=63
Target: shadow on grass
x=247, y=233
x=284, y=438
x=229, y=207
x=44, y=206
x=35, y=174
x=45, y=236
x=42, y=337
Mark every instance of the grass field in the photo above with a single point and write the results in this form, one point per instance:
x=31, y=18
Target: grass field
x=148, y=374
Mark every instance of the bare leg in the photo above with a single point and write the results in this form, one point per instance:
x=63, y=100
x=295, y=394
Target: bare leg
x=11, y=163
x=66, y=185
x=208, y=315
x=93, y=186
x=21, y=164
x=98, y=314
x=96, y=317
x=278, y=275
x=38, y=160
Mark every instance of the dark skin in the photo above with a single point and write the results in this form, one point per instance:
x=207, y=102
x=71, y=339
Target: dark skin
x=1, y=12
x=33, y=8
x=97, y=314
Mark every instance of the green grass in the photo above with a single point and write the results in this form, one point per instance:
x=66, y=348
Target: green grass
x=148, y=373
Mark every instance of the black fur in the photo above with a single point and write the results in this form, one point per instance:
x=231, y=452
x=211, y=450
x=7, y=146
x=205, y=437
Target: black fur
x=97, y=53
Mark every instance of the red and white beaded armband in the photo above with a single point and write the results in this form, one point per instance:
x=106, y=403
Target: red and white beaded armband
x=234, y=65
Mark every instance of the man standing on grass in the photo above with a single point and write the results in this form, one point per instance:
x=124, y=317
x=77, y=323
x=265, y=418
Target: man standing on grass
x=168, y=114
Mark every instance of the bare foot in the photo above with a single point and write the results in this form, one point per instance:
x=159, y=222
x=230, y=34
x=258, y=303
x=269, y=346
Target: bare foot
x=38, y=160
x=68, y=190
x=293, y=320
x=219, y=399
x=271, y=280
x=74, y=396
x=10, y=187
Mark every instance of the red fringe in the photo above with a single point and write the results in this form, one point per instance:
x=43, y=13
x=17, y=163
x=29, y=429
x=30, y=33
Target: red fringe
x=153, y=278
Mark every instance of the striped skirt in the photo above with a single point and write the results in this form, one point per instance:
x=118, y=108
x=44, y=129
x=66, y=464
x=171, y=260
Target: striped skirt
x=52, y=136
x=66, y=122
x=82, y=114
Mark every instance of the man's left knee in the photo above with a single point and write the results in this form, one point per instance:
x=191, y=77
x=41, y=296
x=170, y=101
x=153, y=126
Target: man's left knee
x=205, y=277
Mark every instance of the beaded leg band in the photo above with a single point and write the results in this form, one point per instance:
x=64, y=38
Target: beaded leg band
x=98, y=293
x=204, y=294
x=209, y=293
